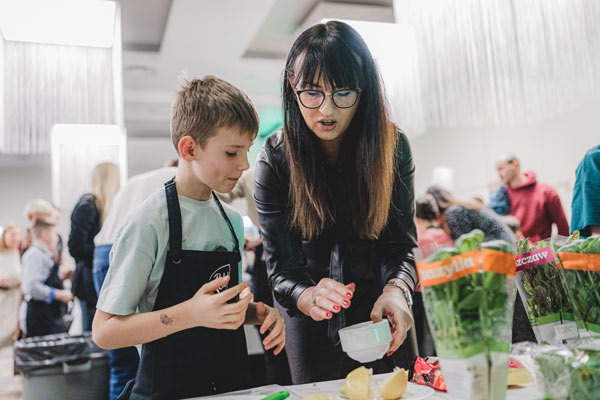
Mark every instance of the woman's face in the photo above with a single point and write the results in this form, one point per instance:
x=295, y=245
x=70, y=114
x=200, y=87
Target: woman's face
x=328, y=122
x=12, y=238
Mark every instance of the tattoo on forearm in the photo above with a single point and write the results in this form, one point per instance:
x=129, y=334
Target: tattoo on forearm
x=165, y=320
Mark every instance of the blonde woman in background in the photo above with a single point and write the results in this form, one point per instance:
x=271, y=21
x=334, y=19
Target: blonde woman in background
x=86, y=220
x=10, y=293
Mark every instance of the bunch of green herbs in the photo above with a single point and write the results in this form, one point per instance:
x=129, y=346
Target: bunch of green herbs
x=569, y=372
x=583, y=286
x=469, y=314
x=543, y=296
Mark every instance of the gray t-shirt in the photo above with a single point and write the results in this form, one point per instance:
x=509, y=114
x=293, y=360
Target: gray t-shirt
x=138, y=256
x=37, y=264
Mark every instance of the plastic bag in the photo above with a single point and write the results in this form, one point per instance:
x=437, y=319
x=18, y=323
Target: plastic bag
x=542, y=293
x=51, y=350
x=469, y=292
x=580, y=275
x=566, y=372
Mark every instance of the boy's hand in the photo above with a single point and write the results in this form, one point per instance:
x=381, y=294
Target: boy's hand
x=212, y=311
x=272, y=321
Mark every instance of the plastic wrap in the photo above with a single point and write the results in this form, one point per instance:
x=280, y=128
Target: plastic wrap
x=52, y=350
x=566, y=372
x=580, y=275
x=469, y=293
x=542, y=293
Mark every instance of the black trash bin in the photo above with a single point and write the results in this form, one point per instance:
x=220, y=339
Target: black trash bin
x=62, y=367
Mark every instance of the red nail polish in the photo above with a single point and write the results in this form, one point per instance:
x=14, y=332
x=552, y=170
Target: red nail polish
x=328, y=315
x=349, y=295
x=346, y=303
x=336, y=308
x=389, y=353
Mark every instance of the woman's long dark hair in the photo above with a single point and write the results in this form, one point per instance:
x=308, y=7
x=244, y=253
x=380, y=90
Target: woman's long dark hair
x=335, y=52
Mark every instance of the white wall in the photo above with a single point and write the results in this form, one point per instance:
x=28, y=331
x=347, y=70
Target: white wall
x=23, y=180
x=551, y=148
x=145, y=154
x=20, y=185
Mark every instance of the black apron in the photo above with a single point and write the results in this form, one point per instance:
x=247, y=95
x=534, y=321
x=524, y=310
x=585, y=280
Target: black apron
x=198, y=361
x=43, y=318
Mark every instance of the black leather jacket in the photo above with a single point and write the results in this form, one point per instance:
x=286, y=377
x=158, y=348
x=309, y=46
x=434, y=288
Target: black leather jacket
x=295, y=264
x=85, y=225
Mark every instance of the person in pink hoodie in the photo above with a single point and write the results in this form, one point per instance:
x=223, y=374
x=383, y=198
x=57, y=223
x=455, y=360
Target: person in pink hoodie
x=535, y=204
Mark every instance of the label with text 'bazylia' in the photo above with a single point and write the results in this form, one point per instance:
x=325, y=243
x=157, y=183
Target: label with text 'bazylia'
x=437, y=272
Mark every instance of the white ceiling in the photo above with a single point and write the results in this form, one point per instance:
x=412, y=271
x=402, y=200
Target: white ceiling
x=244, y=42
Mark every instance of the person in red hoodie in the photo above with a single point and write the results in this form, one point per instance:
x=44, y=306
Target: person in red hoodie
x=535, y=204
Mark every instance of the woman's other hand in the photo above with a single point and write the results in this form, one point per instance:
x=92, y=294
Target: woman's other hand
x=392, y=305
x=328, y=297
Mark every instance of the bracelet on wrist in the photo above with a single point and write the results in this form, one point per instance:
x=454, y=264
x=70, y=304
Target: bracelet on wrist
x=405, y=291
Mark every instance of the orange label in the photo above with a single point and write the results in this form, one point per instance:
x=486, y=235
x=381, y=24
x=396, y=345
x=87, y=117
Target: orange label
x=448, y=270
x=498, y=261
x=581, y=262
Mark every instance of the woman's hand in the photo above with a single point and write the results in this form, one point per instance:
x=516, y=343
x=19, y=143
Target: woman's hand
x=272, y=321
x=392, y=304
x=328, y=297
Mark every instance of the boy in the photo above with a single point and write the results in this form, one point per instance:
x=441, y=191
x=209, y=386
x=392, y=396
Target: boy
x=177, y=260
x=41, y=283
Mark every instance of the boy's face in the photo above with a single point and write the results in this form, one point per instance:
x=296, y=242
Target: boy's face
x=220, y=163
x=50, y=238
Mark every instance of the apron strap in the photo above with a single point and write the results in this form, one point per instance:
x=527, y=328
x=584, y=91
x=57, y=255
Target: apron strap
x=174, y=220
x=224, y=214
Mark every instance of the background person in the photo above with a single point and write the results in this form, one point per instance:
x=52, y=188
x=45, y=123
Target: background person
x=10, y=282
x=86, y=220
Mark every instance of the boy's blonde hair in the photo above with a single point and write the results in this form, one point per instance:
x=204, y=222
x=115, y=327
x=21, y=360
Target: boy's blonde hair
x=40, y=226
x=105, y=184
x=40, y=207
x=204, y=105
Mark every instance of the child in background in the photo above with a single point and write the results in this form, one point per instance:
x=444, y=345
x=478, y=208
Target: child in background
x=41, y=284
x=174, y=278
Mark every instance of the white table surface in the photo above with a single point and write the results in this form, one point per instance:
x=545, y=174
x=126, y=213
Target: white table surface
x=297, y=392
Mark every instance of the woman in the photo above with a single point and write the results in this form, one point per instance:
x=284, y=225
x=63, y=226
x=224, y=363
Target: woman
x=334, y=192
x=459, y=218
x=10, y=293
x=86, y=221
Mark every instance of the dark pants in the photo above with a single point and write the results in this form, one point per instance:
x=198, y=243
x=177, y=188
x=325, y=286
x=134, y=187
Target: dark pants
x=123, y=362
x=277, y=370
x=87, y=314
x=424, y=336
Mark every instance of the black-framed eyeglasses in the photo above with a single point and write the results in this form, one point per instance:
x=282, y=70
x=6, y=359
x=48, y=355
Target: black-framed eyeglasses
x=342, y=98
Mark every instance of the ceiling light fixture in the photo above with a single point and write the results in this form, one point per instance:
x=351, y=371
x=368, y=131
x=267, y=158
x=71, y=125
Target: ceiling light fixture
x=64, y=22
